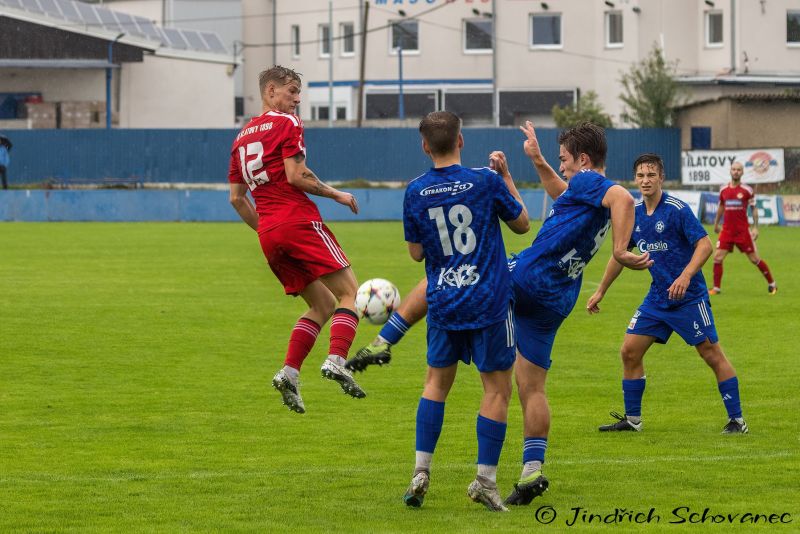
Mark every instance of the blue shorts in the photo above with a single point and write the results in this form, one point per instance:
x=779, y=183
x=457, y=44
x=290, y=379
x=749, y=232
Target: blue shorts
x=491, y=348
x=693, y=322
x=536, y=328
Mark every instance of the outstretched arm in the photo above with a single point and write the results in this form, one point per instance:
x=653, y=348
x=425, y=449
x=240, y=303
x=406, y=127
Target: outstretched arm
x=552, y=183
x=243, y=206
x=613, y=270
x=521, y=224
x=303, y=178
x=702, y=251
x=620, y=202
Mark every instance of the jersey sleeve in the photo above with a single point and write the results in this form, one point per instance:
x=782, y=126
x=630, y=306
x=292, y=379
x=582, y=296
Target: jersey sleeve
x=234, y=169
x=589, y=188
x=410, y=228
x=691, y=226
x=293, y=142
x=752, y=200
x=508, y=208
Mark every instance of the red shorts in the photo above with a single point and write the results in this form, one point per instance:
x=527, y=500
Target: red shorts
x=742, y=240
x=301, y=252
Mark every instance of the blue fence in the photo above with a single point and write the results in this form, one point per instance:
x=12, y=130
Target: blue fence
x=377, y=154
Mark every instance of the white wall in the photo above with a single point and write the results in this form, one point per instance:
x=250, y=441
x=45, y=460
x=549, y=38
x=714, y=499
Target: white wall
x=176, y=93
x=56, y=85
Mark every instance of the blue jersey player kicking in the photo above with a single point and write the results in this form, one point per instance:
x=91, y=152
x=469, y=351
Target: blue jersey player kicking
x=677, y=300
x=451, y=217
x=546, y=277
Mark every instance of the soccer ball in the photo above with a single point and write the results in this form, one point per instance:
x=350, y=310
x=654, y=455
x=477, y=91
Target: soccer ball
x=376, y=300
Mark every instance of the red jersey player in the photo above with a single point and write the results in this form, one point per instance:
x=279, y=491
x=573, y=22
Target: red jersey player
x=734, y=201
x=268, y=159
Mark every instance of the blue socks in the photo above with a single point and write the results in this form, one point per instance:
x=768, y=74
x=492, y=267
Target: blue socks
x=632, y=392
x=394, y=329
x=491, y=435
x=534, y=450
x=729, y=389
x=430, y=415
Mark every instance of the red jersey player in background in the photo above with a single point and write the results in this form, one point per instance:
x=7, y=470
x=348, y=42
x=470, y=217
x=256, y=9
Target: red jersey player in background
x=268, y=158
x=734, y=200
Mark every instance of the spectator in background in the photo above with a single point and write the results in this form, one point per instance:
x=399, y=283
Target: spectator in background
x=5, y=159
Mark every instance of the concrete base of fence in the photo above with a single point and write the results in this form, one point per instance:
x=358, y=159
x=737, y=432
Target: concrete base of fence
x=119, y=205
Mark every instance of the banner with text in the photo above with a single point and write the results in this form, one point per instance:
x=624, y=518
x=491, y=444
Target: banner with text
x=713, y=167
x=791, y=210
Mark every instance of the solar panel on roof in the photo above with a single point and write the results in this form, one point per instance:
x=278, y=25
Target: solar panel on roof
x=128, y=24
x=194, y=39
x=13, y=3
x=68, y=9
x=148, y=28
x=174, y=38
x=87, y=14
x=32, y=5
x=107, y=18
x=214, y=43
x=51, y=8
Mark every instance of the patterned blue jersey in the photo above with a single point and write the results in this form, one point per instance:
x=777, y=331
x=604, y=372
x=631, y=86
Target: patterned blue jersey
x=669, y=235
x=549, y=272
x=453, y=212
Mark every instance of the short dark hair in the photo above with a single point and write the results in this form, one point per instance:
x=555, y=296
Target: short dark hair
x=440, y=130
x=649, y=159
x=586, y=138
x=277, y=73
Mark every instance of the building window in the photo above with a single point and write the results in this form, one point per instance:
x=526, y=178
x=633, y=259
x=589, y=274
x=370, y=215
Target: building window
x=405, y=35
x=614, y=38
x=713, y=28
x=386, y=105
x=321, y=113
x=341, y=113
x=295, y=41
x=793, y=27
x=478, y=35
x=475, y=109
x=324, y=40
x=546, y=30
x=348, y=39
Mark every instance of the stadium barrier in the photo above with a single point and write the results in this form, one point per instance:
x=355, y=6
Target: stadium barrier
x=123, y=205
x=65, y=157
x=187, y=205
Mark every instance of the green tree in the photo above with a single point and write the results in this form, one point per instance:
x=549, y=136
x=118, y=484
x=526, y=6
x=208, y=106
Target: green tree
x=650, y=92
x=587, y=109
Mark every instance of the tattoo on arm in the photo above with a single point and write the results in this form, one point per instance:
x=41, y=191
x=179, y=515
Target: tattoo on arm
x=317, y=186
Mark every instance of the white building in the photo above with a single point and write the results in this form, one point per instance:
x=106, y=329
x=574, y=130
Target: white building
x=60, y=51
x=544, y=53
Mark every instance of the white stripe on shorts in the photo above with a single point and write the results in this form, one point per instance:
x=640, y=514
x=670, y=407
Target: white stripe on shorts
x=510, y=328
x=335, y=251
x=704, y=314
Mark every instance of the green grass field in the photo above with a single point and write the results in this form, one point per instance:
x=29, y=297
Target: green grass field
x=135, y=362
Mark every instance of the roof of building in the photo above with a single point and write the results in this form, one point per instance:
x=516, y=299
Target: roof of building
x=100, y=22
x=788, y=96
x=792, y=80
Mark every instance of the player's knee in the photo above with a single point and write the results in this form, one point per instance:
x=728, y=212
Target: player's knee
x=325, y=306
x=629, y=355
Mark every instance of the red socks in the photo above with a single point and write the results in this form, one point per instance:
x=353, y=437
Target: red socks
x=717, y=275
x=343, y=330
x=762, y=266
x=302, y=340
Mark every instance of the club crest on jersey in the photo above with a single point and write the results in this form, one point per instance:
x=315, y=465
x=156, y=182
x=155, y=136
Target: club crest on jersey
x=465, y=275
x=660, y=226
x=453, y=188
